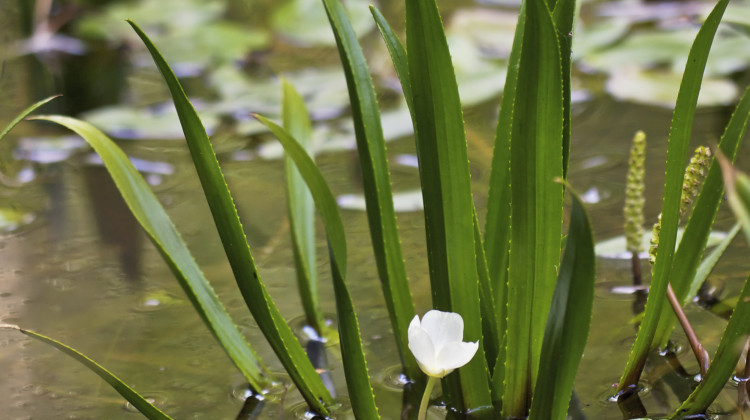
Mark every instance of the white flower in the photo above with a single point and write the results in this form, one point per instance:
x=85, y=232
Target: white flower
x=436, y=343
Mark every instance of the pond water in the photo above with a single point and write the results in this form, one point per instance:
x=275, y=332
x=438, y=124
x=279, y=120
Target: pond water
x=76, y=266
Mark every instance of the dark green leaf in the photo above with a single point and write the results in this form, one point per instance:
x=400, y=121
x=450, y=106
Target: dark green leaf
x=355, y=365
x=271, y=323
x=446, y=189
x=536, y=161
x=376, y=182
x=569, y=320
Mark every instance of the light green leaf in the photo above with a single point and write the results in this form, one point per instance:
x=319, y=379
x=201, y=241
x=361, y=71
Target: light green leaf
x=677, y=151
x=134, y=398
x=569, y=321
x=352, y=352
x=301, y=209
x=25, y=113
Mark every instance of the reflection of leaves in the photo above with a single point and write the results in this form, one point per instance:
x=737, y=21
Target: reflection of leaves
x=146, y=123
x=660, y=88
x=305, y=22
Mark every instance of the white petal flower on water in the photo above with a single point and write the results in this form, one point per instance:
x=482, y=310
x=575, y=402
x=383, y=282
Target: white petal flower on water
x=436, y=343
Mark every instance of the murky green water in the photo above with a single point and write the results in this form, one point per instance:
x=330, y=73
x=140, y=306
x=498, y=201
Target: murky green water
x=77, y=268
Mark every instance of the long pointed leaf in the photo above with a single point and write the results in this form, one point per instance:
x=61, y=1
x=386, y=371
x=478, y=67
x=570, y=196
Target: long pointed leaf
x=536, y=214
x=569, y=320
x=134, y=398
x=352, y=352
x=25, y=113
x=271, y=323
x=498, y=223
x=301, y=209
x=693, y=242
x=446, y=190
x=151, y=215
x=677, y=153
x=376, y=182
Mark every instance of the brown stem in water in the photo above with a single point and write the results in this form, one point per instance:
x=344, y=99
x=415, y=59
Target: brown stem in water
x=700, y=353
x=636, y=267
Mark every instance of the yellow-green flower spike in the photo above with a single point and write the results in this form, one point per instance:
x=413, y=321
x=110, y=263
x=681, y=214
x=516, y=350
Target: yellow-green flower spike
x=634, y=199
x=654, y=246
x=694, y=175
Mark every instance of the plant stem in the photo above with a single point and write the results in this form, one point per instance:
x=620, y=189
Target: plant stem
x=700, y=353
x=426, y=398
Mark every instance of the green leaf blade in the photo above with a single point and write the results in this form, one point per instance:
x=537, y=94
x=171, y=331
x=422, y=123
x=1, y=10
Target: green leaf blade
x=569, y=320
x=677, y=153
x=301, y=209
x=694, y=240
x=157, y=224
x=352, y=351
x=264, y=311
x=23, y=114
x=536, y=214
x=139, y=402
x=446, y=190
x=376, y=182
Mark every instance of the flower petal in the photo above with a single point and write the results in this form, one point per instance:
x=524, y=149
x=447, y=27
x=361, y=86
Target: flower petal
x=443, y=327
x=422, y=347
x=456, y=354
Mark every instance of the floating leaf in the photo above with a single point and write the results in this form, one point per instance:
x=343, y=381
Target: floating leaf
x=127, y=122
x=660, y=88
x=304, y=22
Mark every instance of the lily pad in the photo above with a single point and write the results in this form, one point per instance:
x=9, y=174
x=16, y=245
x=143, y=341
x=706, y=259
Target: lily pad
x=403, y=202
x=127, y=122
x=660, y=88
x=616, y=248
x=47, y=150
x=305, y=23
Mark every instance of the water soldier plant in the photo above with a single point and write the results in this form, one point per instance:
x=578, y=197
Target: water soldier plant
x=527, y=310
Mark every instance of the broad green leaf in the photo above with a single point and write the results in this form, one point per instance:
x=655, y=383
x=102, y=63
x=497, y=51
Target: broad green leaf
x=134, y=398
x=698, y=230
x=498, y=223
x=266, y=314
x=569, y=321
x=352, y=352
x=376, y=182
x=677, y=153
x=301, y=208
x=151, y=215
x=25, y=113
x=446, y=189
x=536, y=151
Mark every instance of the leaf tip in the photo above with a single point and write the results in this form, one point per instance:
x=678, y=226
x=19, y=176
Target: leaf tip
x=10, y=326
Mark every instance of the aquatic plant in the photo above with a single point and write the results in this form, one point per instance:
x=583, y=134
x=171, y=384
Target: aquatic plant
x=527, y=309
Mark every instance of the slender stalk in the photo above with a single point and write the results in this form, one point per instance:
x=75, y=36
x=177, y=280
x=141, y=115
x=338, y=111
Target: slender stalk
x=700, y=353
x=636, y=266
x=426, y=398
